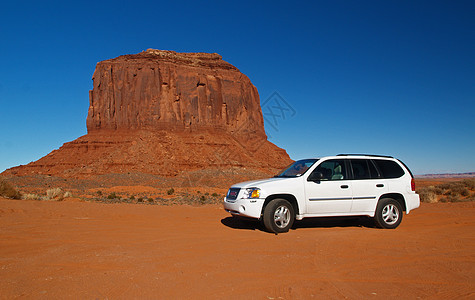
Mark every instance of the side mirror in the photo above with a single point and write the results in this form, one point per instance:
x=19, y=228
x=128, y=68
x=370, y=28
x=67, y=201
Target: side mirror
x=315, y=176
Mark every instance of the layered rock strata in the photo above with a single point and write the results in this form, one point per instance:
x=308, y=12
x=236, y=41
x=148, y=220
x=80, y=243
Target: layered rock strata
x=174, y=91
x=163, y=112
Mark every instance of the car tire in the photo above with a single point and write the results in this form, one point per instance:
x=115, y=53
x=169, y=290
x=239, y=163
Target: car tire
x=279, y=216
x=388, y=213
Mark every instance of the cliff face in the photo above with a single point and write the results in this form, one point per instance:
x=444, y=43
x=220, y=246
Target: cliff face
x=166, y=113
x=180, y=91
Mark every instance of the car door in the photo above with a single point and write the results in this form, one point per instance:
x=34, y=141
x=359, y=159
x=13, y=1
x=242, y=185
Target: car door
x=367, y=186
x=332, y=193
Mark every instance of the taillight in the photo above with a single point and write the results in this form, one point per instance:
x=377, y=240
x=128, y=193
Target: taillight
x=413, y=185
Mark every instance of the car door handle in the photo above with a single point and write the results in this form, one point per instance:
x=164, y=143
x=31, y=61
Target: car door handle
x=380, y=185
x=344, y=186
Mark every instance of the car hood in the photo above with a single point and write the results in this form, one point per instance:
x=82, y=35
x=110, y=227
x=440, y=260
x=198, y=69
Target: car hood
x=260, y=182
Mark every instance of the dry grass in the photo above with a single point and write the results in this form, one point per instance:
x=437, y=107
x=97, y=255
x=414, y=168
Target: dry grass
x=8, y=191
x=55, y=194
x=457, y=191
x=32, y=197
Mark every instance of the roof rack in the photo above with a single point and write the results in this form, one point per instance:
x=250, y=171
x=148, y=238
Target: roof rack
x=372, y=155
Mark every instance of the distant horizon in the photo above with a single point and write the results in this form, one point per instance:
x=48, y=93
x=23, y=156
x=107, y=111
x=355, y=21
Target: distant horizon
x=448, y=175
x=391, y=77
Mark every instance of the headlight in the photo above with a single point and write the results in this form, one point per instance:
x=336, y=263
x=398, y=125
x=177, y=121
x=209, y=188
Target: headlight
x=252, y=193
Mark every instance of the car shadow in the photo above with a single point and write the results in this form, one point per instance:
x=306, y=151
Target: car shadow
x=241, y=223
x=331, y=222
x=321, y=222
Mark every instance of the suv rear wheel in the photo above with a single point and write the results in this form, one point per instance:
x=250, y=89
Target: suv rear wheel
x=388, y=213
x=278, y=216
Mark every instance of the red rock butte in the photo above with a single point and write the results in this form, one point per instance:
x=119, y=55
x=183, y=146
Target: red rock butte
x=163, y=112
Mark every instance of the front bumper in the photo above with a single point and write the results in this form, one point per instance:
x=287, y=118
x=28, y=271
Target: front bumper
x=251, y=208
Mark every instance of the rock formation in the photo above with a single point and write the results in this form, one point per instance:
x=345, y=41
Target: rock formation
x=168, y=90
x=163, y=112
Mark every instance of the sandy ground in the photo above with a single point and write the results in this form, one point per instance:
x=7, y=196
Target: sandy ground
x=82, y=250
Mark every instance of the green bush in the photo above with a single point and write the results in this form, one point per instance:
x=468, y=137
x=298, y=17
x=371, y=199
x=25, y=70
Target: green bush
x=171, y=191
x=8, y=191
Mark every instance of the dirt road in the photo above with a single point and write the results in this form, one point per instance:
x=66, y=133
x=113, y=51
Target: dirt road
x=80, y=250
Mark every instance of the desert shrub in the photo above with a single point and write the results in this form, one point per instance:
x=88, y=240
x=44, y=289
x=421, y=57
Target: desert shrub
x=446, y=186
x=8, y=191
x=453, y=186
x=469, y=183
x=428, y=195
x=99, y=193
x=465, y=192
x=214, y=195
x=451, y=198
x=67, y=195
x=54, y=194
x=171, y=191
x=437, y=190
x=112, y=196
x=163, y=201
x=150, y=200
x=31, y=197
x=456, y=191
x=132, y=197
x=140, y=200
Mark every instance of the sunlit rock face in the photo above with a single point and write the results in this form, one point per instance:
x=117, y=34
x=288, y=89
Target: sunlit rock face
x=183, y=91
x=166, y=113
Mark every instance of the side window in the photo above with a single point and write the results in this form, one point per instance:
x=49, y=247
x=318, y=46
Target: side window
x=360, y=169
x=389, y=168
x=372, y=170
x=332, y=169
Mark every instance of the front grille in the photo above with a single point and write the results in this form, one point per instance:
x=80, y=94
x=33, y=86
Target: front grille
x=233, y=193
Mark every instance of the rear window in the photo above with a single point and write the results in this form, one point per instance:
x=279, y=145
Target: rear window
x=389, y=168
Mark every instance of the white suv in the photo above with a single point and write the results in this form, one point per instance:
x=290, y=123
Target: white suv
x=381, y=187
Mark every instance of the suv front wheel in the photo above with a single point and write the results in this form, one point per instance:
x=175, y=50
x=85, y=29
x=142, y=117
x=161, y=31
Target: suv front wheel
x=278, y=216
x=388, y=213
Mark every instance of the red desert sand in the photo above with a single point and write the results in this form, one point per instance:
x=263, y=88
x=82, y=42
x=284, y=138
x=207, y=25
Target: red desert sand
x=83, y=250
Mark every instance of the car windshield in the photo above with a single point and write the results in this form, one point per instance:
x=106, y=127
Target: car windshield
x=297, y=169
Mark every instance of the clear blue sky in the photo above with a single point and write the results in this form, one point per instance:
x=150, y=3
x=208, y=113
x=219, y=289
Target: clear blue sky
x=385, y=77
